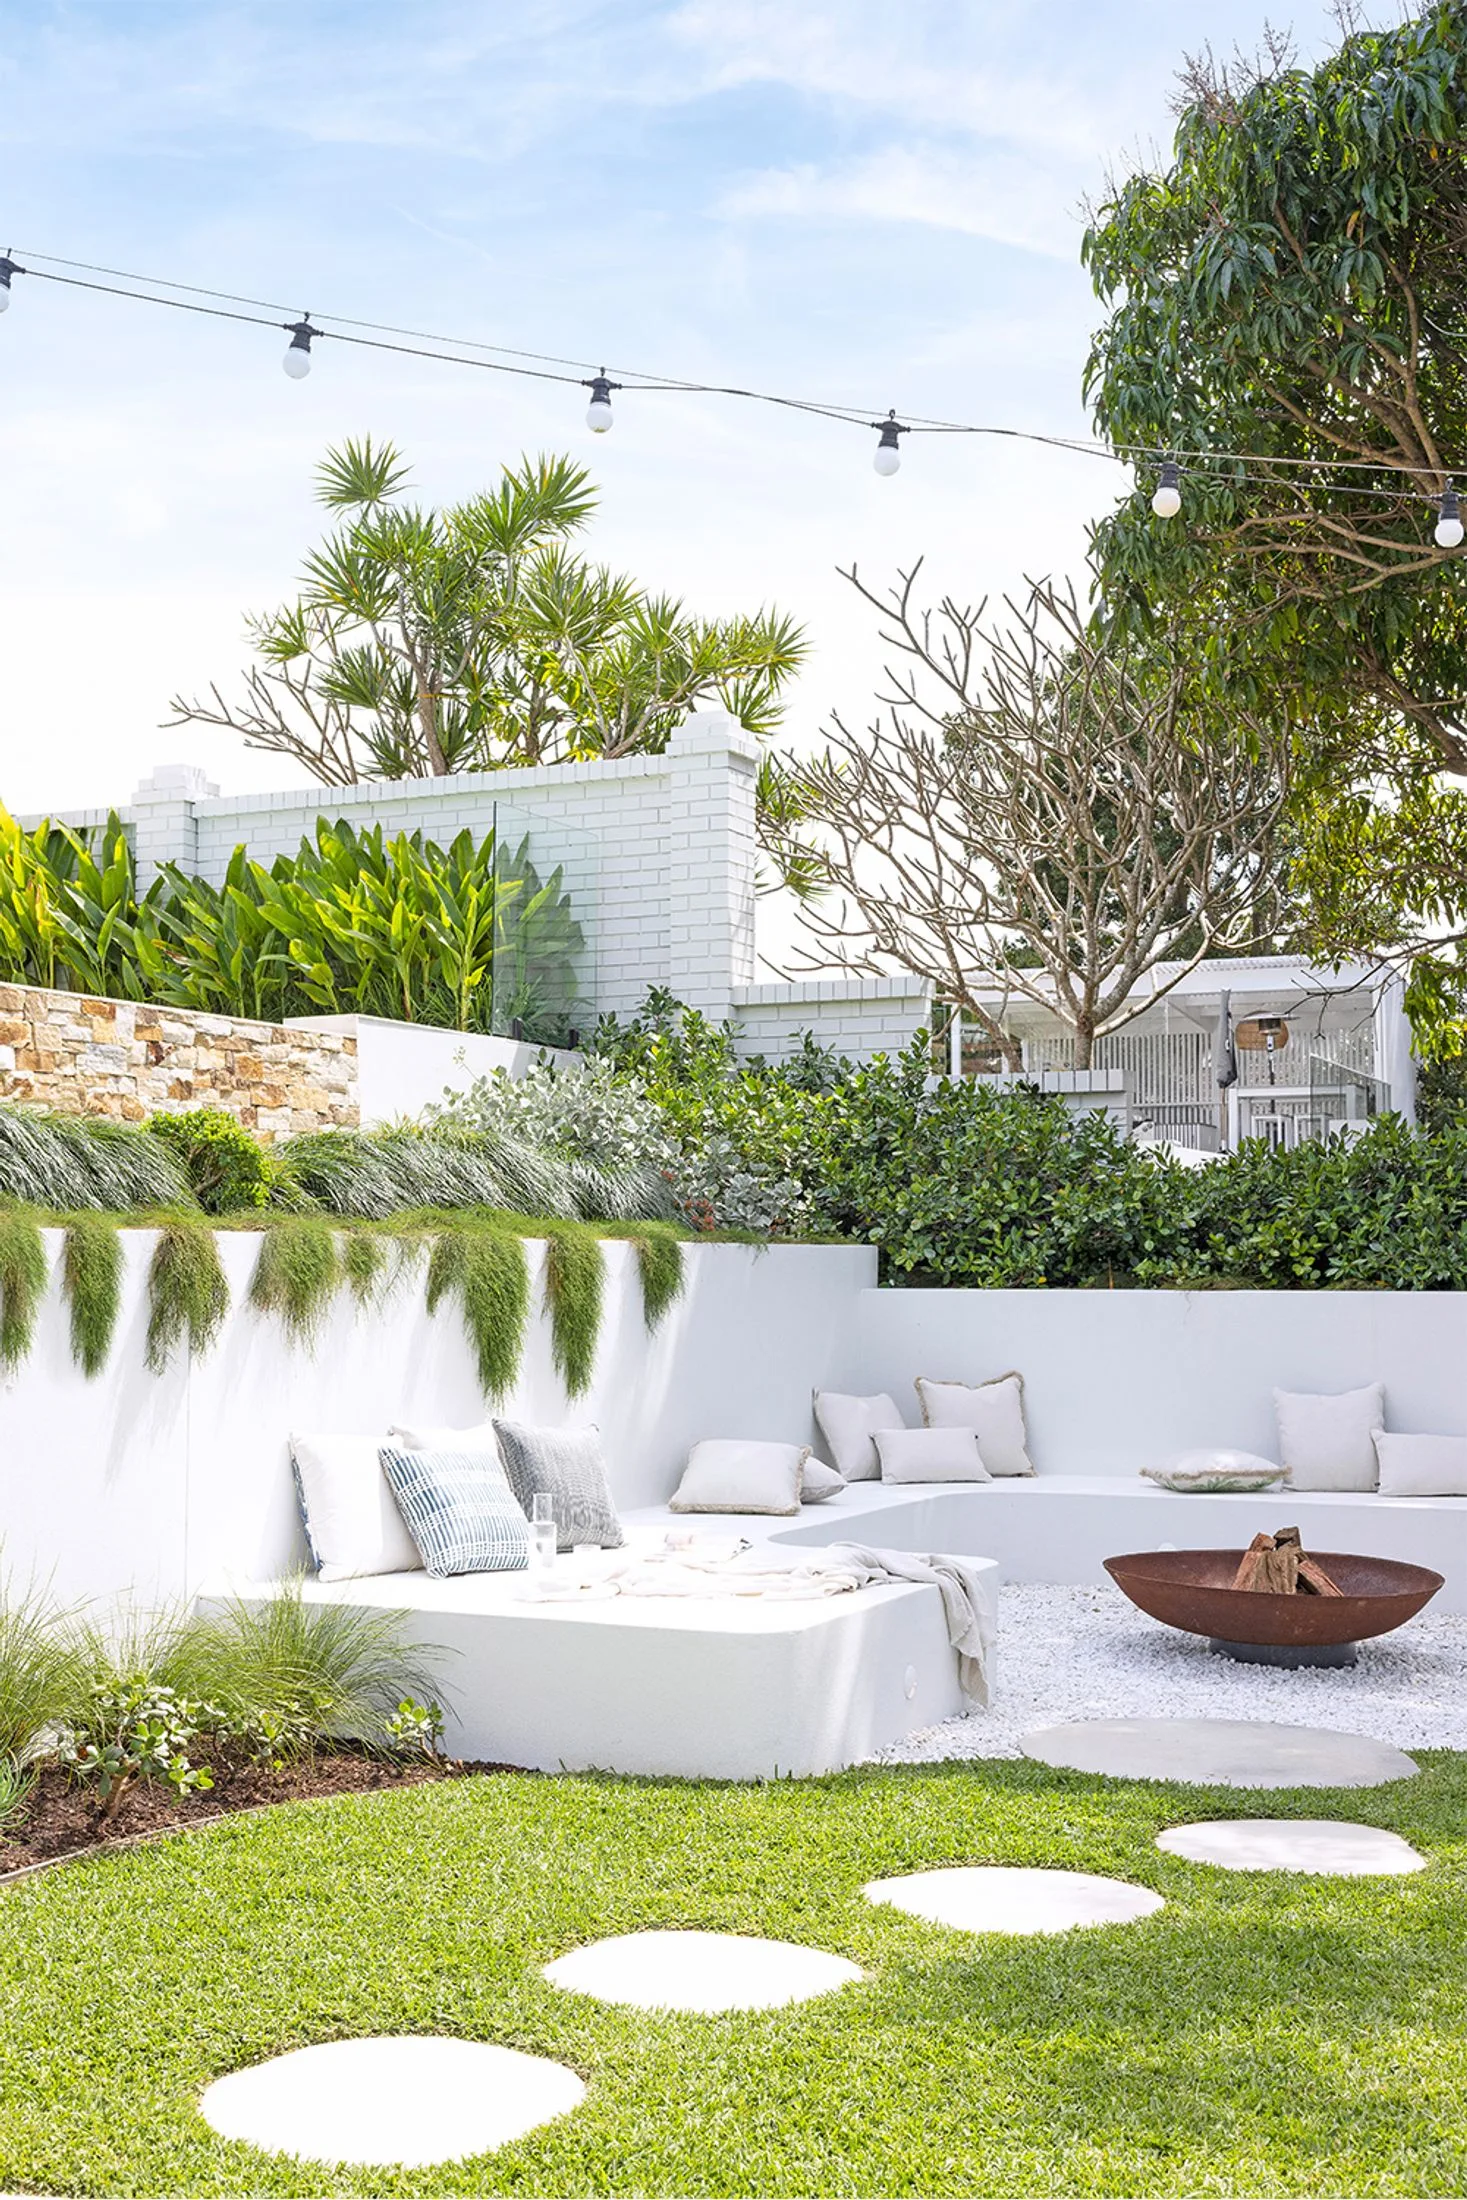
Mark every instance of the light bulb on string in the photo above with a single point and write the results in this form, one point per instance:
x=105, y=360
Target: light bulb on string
x=1449, y=528
x=888, y=457
x=8, y=267
x=598, y=412
x=297, y=360
x=1167, y=501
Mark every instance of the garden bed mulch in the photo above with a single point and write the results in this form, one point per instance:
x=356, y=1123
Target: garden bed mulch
x=62, y=1818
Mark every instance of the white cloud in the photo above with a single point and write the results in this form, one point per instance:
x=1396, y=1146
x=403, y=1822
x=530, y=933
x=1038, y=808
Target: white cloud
x=994, y=194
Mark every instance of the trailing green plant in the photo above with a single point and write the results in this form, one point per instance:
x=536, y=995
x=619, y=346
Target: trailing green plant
x=297, y=1274
x=575, y=1274
x=22, y=1283
x=485, y=1269
x=660, y=1266
x=366, y=1264
x=43, y=1670
x=307, y=1671
x=188, y=1294
x=70, y=1161
x=91, y=1273
x=229, y=1171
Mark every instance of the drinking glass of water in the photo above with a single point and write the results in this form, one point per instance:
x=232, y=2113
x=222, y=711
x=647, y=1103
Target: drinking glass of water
x=542, y=1532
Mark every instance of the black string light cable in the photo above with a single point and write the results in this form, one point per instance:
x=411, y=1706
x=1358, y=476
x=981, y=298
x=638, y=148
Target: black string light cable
x=1166, y=501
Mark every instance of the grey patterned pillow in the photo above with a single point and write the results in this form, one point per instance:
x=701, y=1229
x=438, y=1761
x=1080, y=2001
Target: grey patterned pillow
x=459, y=1510
x=568, y=1463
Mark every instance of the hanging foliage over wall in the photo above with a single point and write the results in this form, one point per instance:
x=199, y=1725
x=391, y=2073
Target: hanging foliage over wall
x=91, y=1272
x=660, y=1266
x=22, y=1283
x=485, y=1269
x=366, y=1263
x=297, y=1275
x=575, y=1275
x=187, y=1291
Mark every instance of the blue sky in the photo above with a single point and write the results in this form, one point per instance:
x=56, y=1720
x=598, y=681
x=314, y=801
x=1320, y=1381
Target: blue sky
x=870, y=203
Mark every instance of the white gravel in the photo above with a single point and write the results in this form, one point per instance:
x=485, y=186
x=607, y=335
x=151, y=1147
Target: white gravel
x=1089, y=1654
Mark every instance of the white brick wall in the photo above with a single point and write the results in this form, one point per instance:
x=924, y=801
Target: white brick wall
x=658, y=852
x=858, y=1017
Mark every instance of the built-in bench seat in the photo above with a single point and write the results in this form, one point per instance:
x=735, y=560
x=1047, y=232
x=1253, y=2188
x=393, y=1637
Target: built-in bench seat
x=728, y=1688
x=1061, y=1527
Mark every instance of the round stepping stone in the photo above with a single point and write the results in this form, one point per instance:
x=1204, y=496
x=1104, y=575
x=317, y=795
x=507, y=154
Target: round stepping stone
x=409, y=2102
x=705, y=1972
x=1293, y=1845
x=995, y=1898
x=1251, y=1753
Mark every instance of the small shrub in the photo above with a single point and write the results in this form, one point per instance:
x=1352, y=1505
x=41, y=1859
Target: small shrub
x=485, y=1269
x=575, y=1273
x=416, y=1730
x=132, y=1728
x=227, y=1167
x=91, y=1271
x=22, y=1283
x=297, y=1273
x=187, y=1292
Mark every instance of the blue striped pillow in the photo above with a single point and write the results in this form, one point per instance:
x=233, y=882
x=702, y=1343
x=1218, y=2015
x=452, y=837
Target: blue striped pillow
x=459, y=1510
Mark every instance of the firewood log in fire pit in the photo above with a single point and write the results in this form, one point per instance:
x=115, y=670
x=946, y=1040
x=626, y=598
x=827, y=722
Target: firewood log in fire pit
x=1278, y=1565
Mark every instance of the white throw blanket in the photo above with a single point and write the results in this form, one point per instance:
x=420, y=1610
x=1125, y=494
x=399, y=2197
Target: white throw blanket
x=730, y=1568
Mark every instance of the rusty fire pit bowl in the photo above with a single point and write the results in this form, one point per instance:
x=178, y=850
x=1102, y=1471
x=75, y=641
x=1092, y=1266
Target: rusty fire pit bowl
x=1193, y=1590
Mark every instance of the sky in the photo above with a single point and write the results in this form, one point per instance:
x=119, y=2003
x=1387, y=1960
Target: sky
x=873, y=204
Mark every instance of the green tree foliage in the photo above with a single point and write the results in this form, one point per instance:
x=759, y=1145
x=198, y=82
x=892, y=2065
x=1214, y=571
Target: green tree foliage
x=1290, y=288
x=475, y=636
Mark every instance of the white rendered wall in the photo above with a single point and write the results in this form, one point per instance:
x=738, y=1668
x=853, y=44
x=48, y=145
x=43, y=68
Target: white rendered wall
x=157, y=1485
x=401, y=1069
x=1119, y=1380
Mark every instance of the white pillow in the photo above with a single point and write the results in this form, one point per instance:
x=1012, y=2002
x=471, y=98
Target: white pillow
x=1218, y=1470
x=422, y=1438
x=848, y=1424
x=1328, y=1442
x=1422, y=1466
x=994, y=1411
x=351, y=1518
x=725, y=1476
x=930, y=1455
x=819, y=1482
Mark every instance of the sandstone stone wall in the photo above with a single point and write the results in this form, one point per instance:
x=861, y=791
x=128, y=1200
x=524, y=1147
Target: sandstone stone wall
x=128, y=1059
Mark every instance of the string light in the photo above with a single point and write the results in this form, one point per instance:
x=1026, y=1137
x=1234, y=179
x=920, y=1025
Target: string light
x=1167, y=501
x=598, y=412
x=888, y=451
x=1311, y=473
x=297, y=360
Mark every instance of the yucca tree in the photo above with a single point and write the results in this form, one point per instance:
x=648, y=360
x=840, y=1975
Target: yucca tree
x=427, y=641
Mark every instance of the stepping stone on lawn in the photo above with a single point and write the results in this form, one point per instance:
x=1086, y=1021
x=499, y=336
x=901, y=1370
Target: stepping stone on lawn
x=1293, y=1845
x=383, y=2102
x=995, y=1898
x=1251, y=1753
x=705, y=1972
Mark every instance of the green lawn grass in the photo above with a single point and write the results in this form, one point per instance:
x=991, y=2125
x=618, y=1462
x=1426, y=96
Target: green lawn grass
x=1261, y=2034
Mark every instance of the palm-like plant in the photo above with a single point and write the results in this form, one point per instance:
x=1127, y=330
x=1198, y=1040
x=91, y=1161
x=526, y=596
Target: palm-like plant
x=427, y=641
